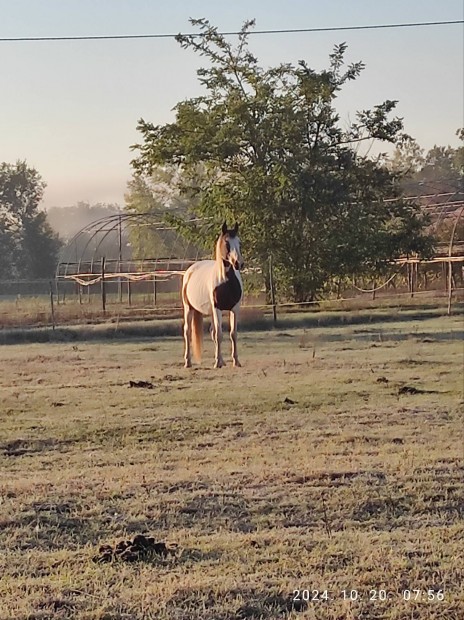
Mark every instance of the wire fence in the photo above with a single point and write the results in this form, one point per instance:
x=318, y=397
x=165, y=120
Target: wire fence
x=111, y=293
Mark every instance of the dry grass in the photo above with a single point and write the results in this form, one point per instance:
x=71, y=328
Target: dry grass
x=349, y=486
x=26, y=312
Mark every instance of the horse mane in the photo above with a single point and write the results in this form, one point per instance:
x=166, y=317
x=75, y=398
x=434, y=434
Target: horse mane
x=220, y=258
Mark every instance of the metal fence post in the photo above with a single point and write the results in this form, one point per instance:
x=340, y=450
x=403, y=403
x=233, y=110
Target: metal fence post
x=272, y=291
x=103, y=289
x=52, y=306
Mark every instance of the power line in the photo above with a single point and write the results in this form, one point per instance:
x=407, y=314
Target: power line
x=196, y=34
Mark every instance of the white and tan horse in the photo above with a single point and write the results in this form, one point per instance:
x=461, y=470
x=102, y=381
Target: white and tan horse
x=208, y=288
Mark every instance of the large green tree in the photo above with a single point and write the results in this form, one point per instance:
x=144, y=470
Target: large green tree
x=278, y=160
x=28, y=246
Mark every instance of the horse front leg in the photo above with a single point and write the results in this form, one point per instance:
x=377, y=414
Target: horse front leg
x=188, y=317
x=217, y=338
x=233, y=319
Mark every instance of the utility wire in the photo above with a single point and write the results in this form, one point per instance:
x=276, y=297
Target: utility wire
x=196, y=34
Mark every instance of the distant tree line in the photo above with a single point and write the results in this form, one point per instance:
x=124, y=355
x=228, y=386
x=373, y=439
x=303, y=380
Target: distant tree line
x=437, y=171
x=67, y=221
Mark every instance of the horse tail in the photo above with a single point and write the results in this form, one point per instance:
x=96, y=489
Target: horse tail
x=197, y=335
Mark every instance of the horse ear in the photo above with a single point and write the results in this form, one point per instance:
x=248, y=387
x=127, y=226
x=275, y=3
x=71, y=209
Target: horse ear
x=236, y=228
x=224, y=228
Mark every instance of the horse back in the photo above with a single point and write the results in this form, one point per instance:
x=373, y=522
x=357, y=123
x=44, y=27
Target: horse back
x=199, y=282
x=203, y=285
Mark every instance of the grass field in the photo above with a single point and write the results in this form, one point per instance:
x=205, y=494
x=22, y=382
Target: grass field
x=332, y=461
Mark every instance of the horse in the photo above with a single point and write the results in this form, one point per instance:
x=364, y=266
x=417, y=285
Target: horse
x=208, y=288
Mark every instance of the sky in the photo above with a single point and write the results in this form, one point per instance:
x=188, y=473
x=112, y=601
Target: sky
x=70, y=108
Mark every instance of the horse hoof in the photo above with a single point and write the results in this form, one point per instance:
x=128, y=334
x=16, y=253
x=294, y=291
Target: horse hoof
x=188, y=365
x=237, y=364
x=219, y=364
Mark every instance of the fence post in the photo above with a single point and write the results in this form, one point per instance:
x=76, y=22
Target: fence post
x=119, y=258
x=450, y=265
x=450, y=286
x=411, y=278
x=79, y=286
x=271, y=286
x=52, y=306
x=103, y=289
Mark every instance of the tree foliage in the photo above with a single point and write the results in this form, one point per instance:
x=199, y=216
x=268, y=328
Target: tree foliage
x=278, y=159
x=165, y=195
x=28, y=246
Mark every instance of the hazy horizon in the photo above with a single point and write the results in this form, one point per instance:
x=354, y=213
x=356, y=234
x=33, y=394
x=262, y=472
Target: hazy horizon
x=70, y=108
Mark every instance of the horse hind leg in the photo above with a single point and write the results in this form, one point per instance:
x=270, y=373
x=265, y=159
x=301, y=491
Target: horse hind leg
x=233, y=337
x=188, y=318
x=197, y=335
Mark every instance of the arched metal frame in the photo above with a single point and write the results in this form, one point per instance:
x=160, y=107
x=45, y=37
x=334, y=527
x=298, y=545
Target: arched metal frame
x=82, y=269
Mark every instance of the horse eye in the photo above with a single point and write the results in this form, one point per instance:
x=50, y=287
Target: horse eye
x=228, y=246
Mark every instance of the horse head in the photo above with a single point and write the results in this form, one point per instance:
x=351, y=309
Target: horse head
x=228, y=247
